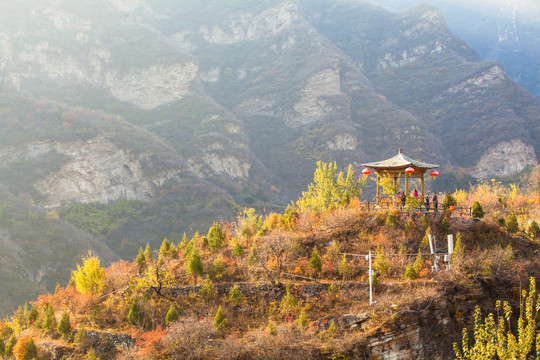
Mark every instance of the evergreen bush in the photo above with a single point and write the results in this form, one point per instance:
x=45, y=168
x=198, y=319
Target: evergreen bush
x=477, y=210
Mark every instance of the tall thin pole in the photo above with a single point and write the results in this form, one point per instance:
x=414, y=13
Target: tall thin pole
x=370, y=281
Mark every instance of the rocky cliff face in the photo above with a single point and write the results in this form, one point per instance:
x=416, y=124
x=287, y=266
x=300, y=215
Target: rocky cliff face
x=99, y=171
x=504, y=159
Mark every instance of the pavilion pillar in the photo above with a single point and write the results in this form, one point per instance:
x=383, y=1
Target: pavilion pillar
x=378, y=188
x=422, y=180
x=406, y=184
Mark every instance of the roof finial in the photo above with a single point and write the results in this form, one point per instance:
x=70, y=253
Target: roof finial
x=400, y=150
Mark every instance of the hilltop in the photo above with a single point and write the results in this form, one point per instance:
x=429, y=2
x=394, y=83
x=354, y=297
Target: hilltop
x=132, y=121
x=294, y=285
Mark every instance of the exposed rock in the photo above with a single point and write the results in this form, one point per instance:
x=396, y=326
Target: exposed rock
x=218, y=164
x=153, y=86
x=505, y=158
x=107, y=342
x=312, y=105
x=352, y=321
x=492, y=76
x=404, y=344
x=99, y=171
x=244, y=26
x=410, y=56
x=211, y=76
x=343, y=142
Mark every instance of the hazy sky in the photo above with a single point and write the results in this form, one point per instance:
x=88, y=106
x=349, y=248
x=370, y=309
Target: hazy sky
x=528, y=8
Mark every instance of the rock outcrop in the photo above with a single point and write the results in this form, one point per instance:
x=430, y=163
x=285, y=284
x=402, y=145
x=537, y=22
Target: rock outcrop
x=504, y=159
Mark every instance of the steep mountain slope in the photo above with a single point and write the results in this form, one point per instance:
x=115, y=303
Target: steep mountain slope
x=137, y=120
x=483, y=119
x=505, y=31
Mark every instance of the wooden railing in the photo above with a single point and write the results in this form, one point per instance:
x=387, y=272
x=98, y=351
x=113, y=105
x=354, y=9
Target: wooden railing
x=387, y=206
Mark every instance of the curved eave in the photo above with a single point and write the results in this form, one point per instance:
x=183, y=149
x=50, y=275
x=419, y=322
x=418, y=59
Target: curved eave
x=399, y=162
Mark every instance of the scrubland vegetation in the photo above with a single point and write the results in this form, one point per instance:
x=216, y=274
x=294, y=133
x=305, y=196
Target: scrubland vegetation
x=282, y=285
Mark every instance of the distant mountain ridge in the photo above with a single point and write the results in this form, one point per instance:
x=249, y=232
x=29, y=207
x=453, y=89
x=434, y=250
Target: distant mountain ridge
x=190, y=110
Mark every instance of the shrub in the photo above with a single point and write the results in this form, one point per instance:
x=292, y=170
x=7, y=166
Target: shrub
x=237, y=250
x=288, y=302
x=81, y=337
x=381, y=263
x=315, y=260
x=511, y=222
x=172, y=315
x=207, y=290
x=218, y=267
x=445, y=225
x=344, y=268
x=391, y=220
x=235, y=295
x=410, y=273
x=534, y=230
x=302, y=320
x=449, y=202
x=477, y=210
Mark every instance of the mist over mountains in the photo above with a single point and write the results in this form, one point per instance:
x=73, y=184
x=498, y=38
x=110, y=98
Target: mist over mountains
x=124, y=122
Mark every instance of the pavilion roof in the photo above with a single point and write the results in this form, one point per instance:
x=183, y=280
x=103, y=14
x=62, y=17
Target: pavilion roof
x=399, y=161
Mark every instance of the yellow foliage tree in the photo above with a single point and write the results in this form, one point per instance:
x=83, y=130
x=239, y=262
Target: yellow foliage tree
x=494, y=338
x=90, y=277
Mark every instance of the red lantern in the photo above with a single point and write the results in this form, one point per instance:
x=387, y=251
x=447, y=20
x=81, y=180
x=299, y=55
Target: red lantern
x=366, y=171
x=434, y=173
x=409, y=170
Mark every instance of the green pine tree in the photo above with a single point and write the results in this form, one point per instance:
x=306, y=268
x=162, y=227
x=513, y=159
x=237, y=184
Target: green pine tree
x=31, y=350
x=172, y=315
x=219, y=320
x=477, y=210
x=288, y=302
x=148, y=254
x=50, y=318
x=459, y=252
x=344, y=268
x=381, y=263
x=2, y=348
x=64, y=327
x=135, y=314
x=217, y=269
x=534, y=230
x=33, y=315
x=511, y=222
x=194, y=266
x=10, y=346
x=315, y=260
x=140, y=261
x=302, y=320
x=215, y=237
x=252, y=258
x=418, y=263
